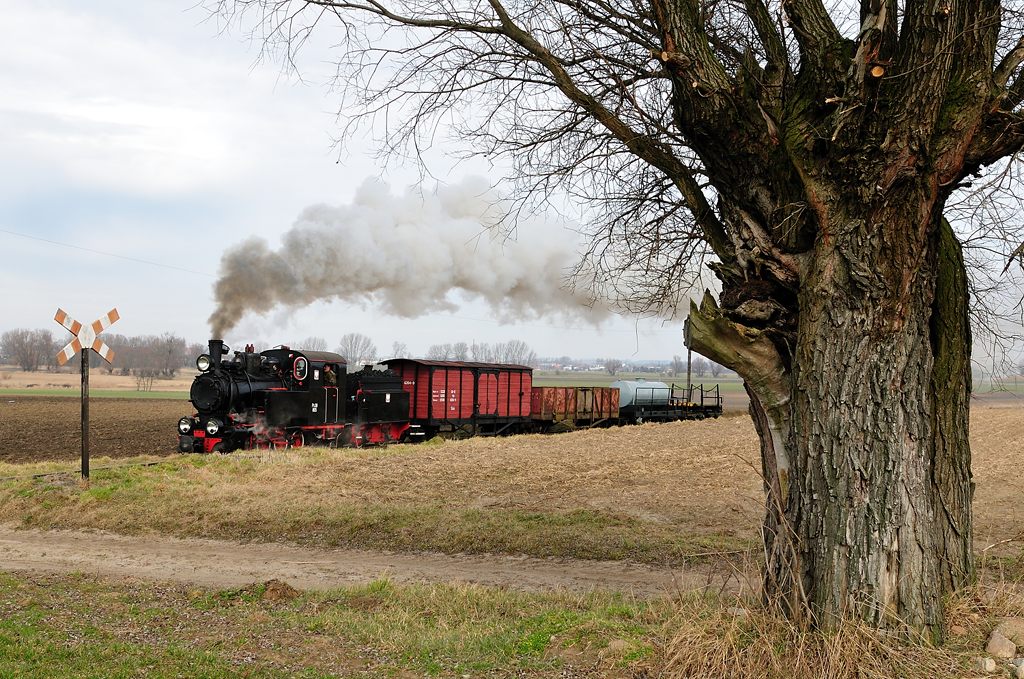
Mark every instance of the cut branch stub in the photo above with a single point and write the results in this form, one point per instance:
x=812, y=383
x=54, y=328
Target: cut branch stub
x=746, y=350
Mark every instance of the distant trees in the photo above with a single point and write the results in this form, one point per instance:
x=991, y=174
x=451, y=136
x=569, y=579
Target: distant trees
x=459, y=351
x=612, y=365
x=483, y=353
x=513, y=351
x=516, y=351
x=399, y=350
x=27, y=349
x=147, y=357
x=313, y=344
x=678, y=365
x=357, y=348
x=439, y=352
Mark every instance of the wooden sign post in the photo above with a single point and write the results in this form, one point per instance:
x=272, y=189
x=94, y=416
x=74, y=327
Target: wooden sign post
x=86, y=338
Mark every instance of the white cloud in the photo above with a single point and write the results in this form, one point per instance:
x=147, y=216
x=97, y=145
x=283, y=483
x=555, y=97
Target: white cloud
x=132, y=127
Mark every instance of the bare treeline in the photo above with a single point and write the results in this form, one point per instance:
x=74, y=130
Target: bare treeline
x=513, y=351
x=28, y=349
x=150, y=356
x=359, y=349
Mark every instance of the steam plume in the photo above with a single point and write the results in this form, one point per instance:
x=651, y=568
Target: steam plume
x=403, y=253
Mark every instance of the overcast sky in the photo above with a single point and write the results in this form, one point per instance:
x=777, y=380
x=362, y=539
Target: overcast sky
x=139, y=130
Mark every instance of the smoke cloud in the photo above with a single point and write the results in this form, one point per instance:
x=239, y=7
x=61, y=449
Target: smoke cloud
x=404, y=254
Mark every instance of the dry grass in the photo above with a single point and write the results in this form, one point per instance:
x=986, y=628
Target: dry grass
x=718, y=640
x=656, y=493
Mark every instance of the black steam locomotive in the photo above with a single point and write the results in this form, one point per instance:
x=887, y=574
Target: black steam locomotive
x=284, y=397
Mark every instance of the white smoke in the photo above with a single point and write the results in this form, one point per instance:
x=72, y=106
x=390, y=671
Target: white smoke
x=405, y=254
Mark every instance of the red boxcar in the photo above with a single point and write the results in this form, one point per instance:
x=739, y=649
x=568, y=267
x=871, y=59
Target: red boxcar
x=575, y=406
x=459, y=396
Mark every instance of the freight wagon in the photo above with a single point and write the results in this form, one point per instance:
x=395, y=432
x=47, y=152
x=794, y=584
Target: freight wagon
x=574, y=407
x=653, y=401
x=465, y=398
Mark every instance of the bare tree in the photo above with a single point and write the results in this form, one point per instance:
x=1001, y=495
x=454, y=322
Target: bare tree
x=482, y=352
x=612, y=365
x=439, y=352
x=27, y=349
x=699, y=366
x=313, y=344
x=715, y=368
x=399, y=350
x=516, y=351
x=808, y=152
x=460, y=351
x=357, y=348
x=678, y=365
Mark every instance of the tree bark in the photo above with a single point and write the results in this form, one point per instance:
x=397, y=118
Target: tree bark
x=864, y=437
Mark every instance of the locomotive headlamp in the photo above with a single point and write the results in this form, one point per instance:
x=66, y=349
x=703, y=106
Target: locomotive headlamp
x=203, y=363
x=185, y=425
x=212, y=427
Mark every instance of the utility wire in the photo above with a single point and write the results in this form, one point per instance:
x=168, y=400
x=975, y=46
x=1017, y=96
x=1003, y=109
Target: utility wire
x=107, y=254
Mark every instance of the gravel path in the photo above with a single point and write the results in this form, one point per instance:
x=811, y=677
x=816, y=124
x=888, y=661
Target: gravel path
x=215, y=563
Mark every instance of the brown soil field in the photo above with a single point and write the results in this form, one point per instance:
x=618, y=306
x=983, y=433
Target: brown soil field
x=34, y=428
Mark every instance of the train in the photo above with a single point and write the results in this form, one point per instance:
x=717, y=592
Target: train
x=286, y=397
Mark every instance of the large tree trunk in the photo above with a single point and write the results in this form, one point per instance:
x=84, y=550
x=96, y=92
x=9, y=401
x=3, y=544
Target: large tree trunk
x=864, y=427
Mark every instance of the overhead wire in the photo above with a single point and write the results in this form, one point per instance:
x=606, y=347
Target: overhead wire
x=106, y=254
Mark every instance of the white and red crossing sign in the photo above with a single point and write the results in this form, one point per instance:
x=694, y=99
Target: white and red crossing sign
x=86, y=336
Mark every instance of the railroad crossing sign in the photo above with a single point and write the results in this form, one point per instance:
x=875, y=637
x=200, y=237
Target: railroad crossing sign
x=85, y=339
x=86, y=336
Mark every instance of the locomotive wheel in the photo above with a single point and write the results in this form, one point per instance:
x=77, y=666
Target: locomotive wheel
x=343, y=440
x=218, y=448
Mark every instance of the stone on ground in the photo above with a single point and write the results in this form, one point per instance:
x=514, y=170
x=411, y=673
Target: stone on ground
x=983, y=665
x=1012, y=629
x=999, y=646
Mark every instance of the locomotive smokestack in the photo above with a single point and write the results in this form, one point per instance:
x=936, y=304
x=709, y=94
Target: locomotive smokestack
x=216, y=352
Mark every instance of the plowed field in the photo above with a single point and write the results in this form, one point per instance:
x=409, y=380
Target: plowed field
x=34, y=428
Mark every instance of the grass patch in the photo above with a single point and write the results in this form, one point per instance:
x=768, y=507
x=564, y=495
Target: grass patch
x=89, y=627
x=96, y=628
x=217, y=497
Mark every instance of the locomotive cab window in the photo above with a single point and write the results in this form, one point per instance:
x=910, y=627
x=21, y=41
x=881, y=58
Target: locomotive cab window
x=300, y=368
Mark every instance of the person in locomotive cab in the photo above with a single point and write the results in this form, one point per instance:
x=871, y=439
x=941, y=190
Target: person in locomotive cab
x=330, y=377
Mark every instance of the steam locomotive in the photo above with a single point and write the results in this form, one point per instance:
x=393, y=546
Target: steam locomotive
x=284, y=397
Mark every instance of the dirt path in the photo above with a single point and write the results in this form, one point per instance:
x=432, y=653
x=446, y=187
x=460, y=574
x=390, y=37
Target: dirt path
x=215, y=563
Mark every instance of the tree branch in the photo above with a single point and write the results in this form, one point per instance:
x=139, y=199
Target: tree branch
x=816, y=36
x=746, y=350
x=645, y=147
